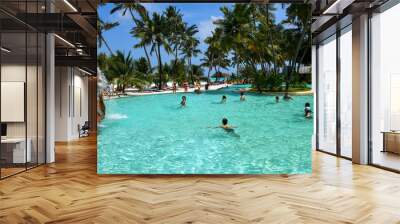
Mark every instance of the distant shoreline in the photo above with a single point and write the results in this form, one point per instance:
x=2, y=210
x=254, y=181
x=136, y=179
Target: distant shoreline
x=294, y=93
x=180, y=90
x=211, y=88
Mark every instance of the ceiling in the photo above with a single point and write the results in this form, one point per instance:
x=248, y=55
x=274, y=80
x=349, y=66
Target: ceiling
x=74, y=22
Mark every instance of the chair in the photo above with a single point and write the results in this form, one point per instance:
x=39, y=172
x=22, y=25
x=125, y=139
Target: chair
x=84, y=130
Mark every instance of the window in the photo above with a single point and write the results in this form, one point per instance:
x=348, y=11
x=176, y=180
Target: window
x=346, y=92
x=385, y=89
x=22, y=77
x=327, y=95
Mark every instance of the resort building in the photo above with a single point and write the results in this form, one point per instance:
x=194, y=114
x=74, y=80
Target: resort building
x=356, y=81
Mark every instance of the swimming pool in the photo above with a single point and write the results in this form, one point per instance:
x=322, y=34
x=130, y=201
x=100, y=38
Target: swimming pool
x=153, y=135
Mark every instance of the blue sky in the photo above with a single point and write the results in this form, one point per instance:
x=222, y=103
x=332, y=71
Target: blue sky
x=201, y=14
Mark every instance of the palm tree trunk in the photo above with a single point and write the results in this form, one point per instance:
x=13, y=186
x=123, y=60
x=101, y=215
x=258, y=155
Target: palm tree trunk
x=160, y=71
x=176, y=56
x=108, y=47
x=208, y=75
x=301, y=59
x=271, y=43
x=290, y=71
x=133, y=17
x=216, y=73
x=264, y=69
x=147, y=56
x=237, y=69
x=191, y=71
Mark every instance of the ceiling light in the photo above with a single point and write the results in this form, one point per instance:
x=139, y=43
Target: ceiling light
x=70, y=5
x=337, y=7
x=5, y=50
x=86, y=72
x=64, y=40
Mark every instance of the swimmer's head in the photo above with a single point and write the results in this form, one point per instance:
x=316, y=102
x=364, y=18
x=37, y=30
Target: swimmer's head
x=307, y=104
x=224, y=121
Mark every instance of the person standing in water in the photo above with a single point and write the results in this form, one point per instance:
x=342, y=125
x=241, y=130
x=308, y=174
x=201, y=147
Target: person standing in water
x=287, y=97
x=223, y=100
x=174, y=87
x=277, y=99
x=183, y=102
x=197, y=87
x=242, y=97
x=307, y=110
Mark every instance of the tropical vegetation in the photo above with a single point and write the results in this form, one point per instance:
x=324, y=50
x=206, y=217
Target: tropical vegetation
x=247, y=44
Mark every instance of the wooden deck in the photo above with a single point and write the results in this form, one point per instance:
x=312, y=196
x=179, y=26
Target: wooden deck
x=70, y=191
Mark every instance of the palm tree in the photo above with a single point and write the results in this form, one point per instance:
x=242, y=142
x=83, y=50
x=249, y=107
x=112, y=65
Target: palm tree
x=144, y=32
x=128, y=7
x=177, y=30
x=208, y=61
x=101, y=28
x=197, y=71
x=122, y=71
x=159, y=39
x=140, y=30
x=267, y=32
x=143, y=69
x=190, y=47
x=236, y=32
x=298, y=15
x=217, y=51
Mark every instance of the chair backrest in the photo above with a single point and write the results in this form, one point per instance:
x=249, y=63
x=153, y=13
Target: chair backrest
x=86, y=125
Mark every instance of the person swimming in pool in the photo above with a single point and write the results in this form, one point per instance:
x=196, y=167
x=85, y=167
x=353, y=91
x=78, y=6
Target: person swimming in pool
x=287, y=97
x=226, y=126
x=183, y=102
x=307, y=110
x=242, y=97
x=277, y=99
x=223, y=100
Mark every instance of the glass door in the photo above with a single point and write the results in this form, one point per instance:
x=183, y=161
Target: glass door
x=346, y=92
x=385, y=89
x=327, y=95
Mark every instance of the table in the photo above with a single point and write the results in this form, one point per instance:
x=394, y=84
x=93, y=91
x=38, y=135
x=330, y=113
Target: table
x=19, y=154
x=391, y=141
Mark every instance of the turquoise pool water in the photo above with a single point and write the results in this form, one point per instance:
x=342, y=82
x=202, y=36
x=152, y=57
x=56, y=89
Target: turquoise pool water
x=153, y=135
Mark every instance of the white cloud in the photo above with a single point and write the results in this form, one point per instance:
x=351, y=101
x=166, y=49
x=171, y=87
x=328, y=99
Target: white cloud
x=206, y=27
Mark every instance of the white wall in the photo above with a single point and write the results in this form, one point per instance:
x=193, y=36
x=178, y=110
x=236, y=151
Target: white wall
x=71, y=102
x=62, y=82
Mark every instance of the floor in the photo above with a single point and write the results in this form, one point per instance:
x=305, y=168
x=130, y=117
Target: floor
x=10, y=171
x=387, y=159
x=70, y=191
x=5, y=172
